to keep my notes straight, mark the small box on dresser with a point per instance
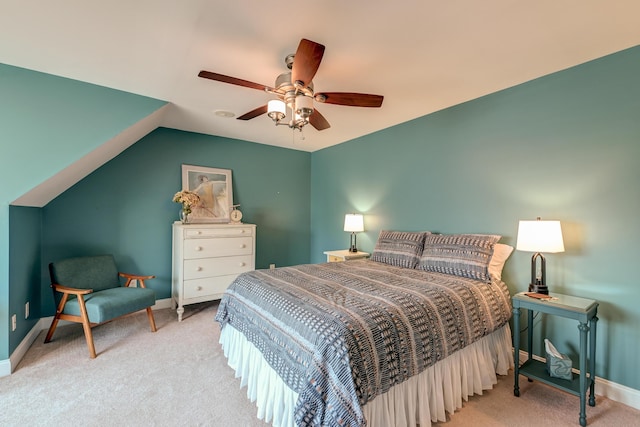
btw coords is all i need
(206, 258)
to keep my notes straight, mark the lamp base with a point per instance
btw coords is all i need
(352, 243)
(539, 288)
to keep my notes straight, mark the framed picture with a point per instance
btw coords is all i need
(215, 191)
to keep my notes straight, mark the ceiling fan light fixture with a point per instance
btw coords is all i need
(294, 91)
(276, 109)
(304, 106)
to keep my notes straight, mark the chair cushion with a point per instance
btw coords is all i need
(111, 303)
(93, 272)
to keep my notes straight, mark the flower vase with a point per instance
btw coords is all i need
(184, 216)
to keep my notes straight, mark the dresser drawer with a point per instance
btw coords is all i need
(226, 246)
(199, 233)
(209, 286)
(199, 268)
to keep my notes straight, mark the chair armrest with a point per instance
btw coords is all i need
(132, 277)
(135, 276)
(67, 290)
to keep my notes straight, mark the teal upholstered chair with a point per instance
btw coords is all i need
(87, 290)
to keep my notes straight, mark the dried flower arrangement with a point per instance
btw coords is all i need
(188, 199)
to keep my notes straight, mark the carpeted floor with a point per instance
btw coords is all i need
(179, 376)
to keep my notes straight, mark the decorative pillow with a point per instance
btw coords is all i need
(464, 255)
(501, 253)
(399, 248)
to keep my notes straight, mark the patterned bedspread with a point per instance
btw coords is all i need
(341, 333)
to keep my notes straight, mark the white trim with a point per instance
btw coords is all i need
(605, 388)
(614, 391)
(7, 366)
(163, 303)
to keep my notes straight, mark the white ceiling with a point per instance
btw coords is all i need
(422, 55)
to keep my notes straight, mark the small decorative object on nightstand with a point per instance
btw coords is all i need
(580, 309)
(344, 255)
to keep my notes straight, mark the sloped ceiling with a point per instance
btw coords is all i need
(423, 56)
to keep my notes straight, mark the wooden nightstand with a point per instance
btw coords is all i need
(344, 255)
(580, 309)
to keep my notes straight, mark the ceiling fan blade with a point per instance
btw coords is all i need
(350, 99)
(232, 80)
(306, 62)
(254, 113)
(318, 121)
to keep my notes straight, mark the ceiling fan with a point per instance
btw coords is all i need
(294, 91)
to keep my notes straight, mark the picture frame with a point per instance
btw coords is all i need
(214, 186)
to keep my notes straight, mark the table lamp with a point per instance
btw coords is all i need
(539, 236)
(353, 223)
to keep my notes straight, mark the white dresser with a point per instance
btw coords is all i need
(206, 259)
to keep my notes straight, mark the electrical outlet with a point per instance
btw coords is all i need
(26, 310)
(272, 266)
(13, 323)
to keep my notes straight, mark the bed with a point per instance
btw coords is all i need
(398, 339)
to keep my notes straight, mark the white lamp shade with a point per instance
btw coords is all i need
(540, 236)
(276, 106)
(353, 223)
(304, 105)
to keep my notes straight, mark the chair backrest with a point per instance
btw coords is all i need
(92, 272)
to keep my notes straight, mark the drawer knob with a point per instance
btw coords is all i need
(243, 246)
(241, 264)
(198, 268)
(199, 288)
(198, 232)
(198, 248)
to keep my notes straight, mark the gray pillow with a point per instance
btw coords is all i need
(464, 255)
(399, 248)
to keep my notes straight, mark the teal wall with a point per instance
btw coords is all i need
(46, 124)
(565, 147)
(125, 207)
(25, 236)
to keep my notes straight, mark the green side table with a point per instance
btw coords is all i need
(580, 309)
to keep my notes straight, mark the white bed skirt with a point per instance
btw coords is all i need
(421, 399)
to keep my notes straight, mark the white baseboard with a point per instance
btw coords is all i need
(7, 366)
(614, 391)
(163, 303)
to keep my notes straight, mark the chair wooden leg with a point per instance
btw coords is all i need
(52, 328)
(86, 325)
(152, 321)
(56, 318)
